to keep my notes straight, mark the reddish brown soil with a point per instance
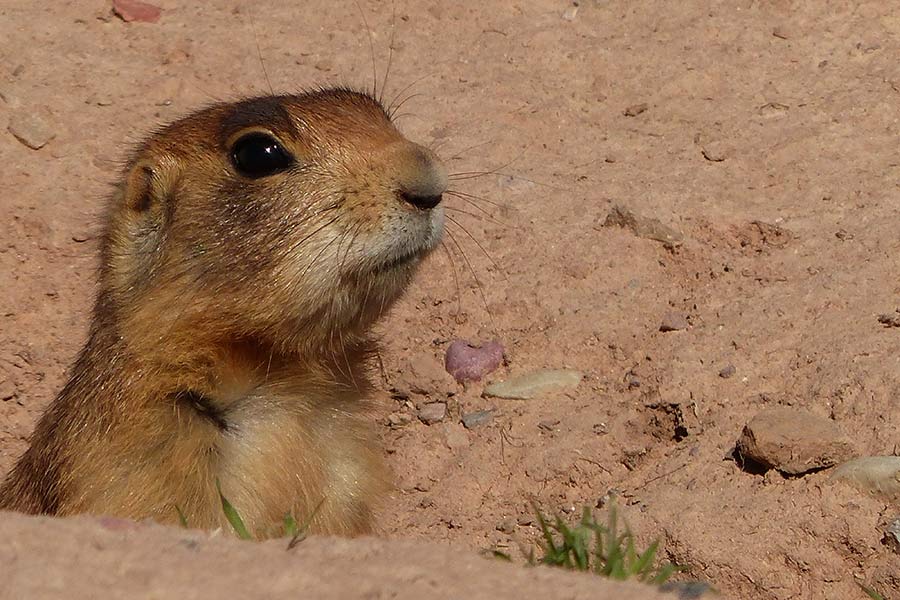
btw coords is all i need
(768, 139)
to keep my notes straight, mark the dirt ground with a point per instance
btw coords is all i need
(765, 133)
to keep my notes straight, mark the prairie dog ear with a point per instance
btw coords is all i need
(149, 183)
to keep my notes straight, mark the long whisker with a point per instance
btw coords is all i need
(392, 110)
(455, 278)
(259, 53)
(474, 276)
(472, 197)
(371, 50)
(387, 71)
(475, 215)
(477, 243)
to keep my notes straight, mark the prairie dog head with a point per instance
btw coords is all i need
(295, 219)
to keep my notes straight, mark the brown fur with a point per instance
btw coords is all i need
(229, 335)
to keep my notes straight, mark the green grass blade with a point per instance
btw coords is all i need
(181, 518)
(303, 530)
(290, 525)
(643, 566)
(870, 592)
(237, 523)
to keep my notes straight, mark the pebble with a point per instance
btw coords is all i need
(644, 227)
(30, 129)
(876, 475)
(507, 526)
(469, 362)
(455, 436)
(135, 10)
(548, 424)
(793, 441)
(890, 320)
(674, 322)
(433, 412)
(727, 371)
(570, 13)
(635, 109)
(396, 420)
(531, 385)
(8, 390)
(891, 530)
(477, 419)
(715, 151)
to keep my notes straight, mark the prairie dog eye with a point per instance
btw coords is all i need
(258, 155)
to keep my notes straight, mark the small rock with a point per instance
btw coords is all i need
(507, 526)
(468, 362)
(8, 390)
(674, 322)
(877, 475)
(890, 320)
(525, 520)
(780, 32)
(645, 227)
(30, 129)
(635, 109)
(531, 385)
(432, 413)
(727, 371)
(793, 441)
(548, 424)
(396, 420)
(135, 10)
(570, 13)
(477, 419)
(715, 151)
(891, 538)
(455, 436)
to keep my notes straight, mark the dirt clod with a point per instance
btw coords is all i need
(433, 412)
(31, 129)
(793, 441)
(672, 321)
(645, 227)
(635, 109)
(727, 372)
(135, 10)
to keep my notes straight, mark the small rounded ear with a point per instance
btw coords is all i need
(148, 184)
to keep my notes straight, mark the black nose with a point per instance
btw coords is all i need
(420, 202)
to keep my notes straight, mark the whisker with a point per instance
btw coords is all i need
(371, 49)
(474, 276)
(259, 52)
(475, 215)
(471, 198)
(455, 278)
(391, 110)
(387, 71)
(477, 243)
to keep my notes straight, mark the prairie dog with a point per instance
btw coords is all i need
(247, 251)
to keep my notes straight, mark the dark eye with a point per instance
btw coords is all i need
(259, 155)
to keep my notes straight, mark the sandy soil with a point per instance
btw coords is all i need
(764, 133)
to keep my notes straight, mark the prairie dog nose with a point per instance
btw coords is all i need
(421, 177)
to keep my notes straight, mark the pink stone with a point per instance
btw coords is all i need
(470, 363)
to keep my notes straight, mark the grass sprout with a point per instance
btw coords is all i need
(605, 549)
